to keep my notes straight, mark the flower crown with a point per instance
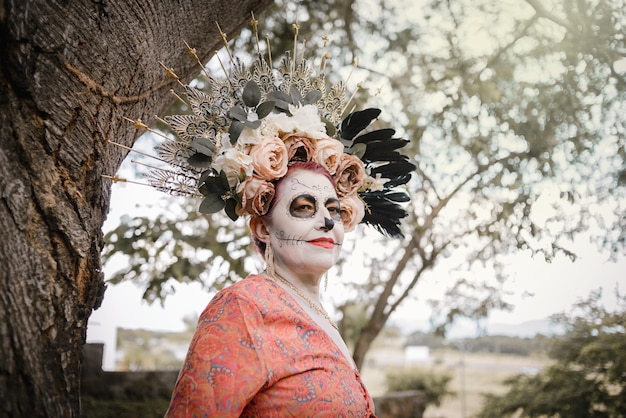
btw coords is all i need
(246, 130)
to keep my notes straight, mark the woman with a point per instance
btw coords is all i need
(265, 346)
(271, 145)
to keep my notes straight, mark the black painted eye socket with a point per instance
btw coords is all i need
(334, 209)
(303, 206)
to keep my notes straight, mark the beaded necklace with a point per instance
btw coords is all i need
(312, 304)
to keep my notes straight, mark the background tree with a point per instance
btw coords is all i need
(514, 110)
(588, 377)
(70, 73)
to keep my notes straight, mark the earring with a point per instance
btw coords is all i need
(325, 281)
(269, 259)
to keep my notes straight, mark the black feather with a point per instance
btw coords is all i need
(383, 214)
(357, 121)
(394, 170)
(377, 135)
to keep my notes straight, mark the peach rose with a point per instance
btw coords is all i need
(328, 154)
(256, 197)
(349, 176)
(299, 147)
(269, 159)
(352, 211)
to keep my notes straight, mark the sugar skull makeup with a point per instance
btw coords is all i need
(305, 226)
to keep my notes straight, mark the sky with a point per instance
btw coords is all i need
(538, 289)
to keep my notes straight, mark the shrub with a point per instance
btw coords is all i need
(433, 384)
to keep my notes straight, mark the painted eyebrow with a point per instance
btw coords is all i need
(332, 200)
(306, 196)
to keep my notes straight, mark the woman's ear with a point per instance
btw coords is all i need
(259, 229)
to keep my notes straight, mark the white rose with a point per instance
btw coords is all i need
(307, 119)
(234, 163)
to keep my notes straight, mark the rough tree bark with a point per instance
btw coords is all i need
(70, 72)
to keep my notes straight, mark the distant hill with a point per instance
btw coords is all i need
(467, 329)
(524, 329)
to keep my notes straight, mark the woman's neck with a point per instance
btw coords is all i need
(308, 283)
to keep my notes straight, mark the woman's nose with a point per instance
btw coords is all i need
(326, 223)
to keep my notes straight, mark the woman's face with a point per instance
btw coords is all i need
(305, 229)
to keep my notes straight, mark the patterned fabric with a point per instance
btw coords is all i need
(256, 353)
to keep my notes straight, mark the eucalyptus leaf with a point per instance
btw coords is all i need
(199, 160)
(223, 181)
(237, 113)
(251, 94)
(230, 206)
(203, 189)
(281, 100)
(235, 130)
(213, 203)
(312, 97)
(330, 128)
(265, 109)
(358, 150)
(215, 185)
(205, 174)
(204, 145)
(253, 124)
(296, 97)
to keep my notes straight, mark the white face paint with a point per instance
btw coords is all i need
(305, 228)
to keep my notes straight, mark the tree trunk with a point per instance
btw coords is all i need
(70, 72)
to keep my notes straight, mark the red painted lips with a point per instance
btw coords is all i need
(328, 243)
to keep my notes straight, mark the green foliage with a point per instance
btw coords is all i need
(588, 378)
(143, 350)
(162, 250)
(433, 384)
(517, 346)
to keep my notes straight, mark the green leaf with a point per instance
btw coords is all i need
(212, 203)
(296, 97)
(265, 109)
(235, 130)
(281, 100)
(358, 150)
(251, 94)
(205, 175)
(223, 181)
(238, 113)
(312, 97)
(253, 124)
(216, 185)
(230, 206)
(199, 160)
(204, 145)
(330, 128)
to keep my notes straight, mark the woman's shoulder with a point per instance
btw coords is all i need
(251, 285)
(255, 289)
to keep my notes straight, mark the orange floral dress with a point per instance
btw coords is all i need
(256, 353)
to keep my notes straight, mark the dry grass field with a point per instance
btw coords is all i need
(483, 373)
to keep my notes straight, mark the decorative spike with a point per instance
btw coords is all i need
(169, 73)
(135, 151)
(269, 50)
(179, 98)
(117, 179)
(255, 29)
(192, 53)
(225, 42)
